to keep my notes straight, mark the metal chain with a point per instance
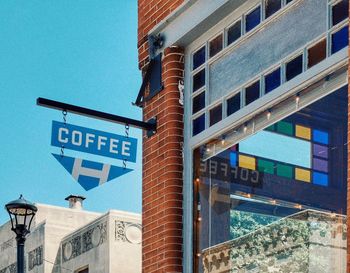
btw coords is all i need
(64, 114)
(127, 127)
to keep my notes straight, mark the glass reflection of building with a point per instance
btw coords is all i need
(270, 190)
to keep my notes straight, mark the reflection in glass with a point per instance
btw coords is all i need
(276, 201)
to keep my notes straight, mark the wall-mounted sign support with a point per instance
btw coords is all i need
(153, 79)
(150, 126)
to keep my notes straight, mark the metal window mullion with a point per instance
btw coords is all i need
(207, 88)
(305, 59)
(262, 86)
(224, 108)
(262, 11)
(243, 90)
(283, 73)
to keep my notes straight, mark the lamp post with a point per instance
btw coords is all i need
(21, 214)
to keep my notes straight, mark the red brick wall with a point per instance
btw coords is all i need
(150, 13)
(162, 153)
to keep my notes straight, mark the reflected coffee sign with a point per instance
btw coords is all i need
(220, 169)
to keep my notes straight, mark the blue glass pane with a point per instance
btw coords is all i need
(199, 58)
(272, 80)
(199, 80)
(198, 103)
(233, 104)
(252, 93)
(320, 136)
(198, 124)
(252, 19)
(340, 39)
(294, 67)
(233, 159)
(320, 179)
(233, 33)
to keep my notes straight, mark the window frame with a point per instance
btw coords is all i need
(190, 145)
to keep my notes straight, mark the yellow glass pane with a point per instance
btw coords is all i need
(302, 175)
(303, 132)
(247, 162)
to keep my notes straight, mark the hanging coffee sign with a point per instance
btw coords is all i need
(90, 174)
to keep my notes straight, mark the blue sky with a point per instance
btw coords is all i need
(80, 52)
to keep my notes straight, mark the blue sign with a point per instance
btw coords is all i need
(90, 174)
(93, 141)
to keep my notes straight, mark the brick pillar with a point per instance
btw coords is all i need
(162, 173)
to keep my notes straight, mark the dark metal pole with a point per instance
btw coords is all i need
(20, 252)
(150, 126)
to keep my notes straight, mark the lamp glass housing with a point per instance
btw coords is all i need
(21, 214)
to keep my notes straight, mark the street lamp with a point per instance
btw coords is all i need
(21, 214)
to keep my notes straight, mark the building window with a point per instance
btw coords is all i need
(233, 104)
(199, 80)
(340, 39)
(198, 58)
(215, 114)
(271, 199)
(294, 67)
(252, 92)
(234, 33)
(340, 12)
(253, 19)
(272, 6)
(198, 102)
(215, 45)
(272, 80)
(198, 124)
(333, 41)
(317, 53)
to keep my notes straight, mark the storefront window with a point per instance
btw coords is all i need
(276, 201)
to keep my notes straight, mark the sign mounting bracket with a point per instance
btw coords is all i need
(150, 126)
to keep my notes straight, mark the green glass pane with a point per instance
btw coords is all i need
(285, 128)
(265, 166)
(285, 171)
(271, 128)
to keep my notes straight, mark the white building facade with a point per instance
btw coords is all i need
(66, 240)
